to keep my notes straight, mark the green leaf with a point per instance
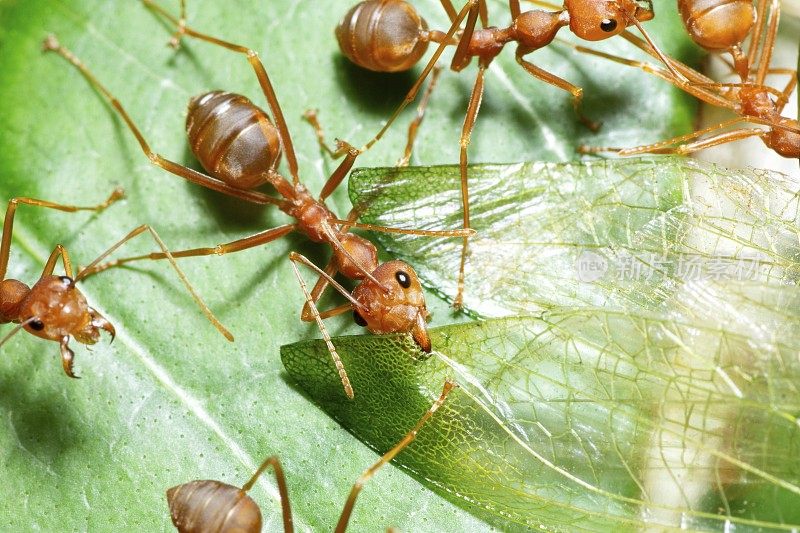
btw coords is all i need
(591, 419)
(616, 233)
(170, 400)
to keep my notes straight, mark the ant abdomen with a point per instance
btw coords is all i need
(204, 506)
(383, 35)
(12, 294)
(232, 138)
(717, 24)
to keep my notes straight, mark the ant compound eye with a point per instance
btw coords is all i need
(608, 25)
(403, 279)
(66, 280)
(36, 325)
(359, 319)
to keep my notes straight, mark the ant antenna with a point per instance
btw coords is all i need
(17, 328)
(661, 55)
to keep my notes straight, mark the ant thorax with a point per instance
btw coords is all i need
(536, 29)
(361, 256)
(756, 102)
(312, 217)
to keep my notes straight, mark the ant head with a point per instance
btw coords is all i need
(595, 20)
(55, 309)
(397, 305)
(363, 254)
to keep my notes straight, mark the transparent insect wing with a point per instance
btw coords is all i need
(598, 417)
(663, 327)
(598, 234)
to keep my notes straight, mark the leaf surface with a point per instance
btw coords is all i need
(170, 400)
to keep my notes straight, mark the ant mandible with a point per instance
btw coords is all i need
(390, 36)
(53, 308)
(239, 146)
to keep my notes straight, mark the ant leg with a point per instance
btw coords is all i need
(92, 269)
(337, 361)
(449, 385)
(656, 51)
(263, 237)
(698, 89)
(790, 86)
(8, 224)
(464, 232)
(484, 13)
(336, 243)
(755, 37)
(343, 148)
(335, 179)
(322, 283)
(664, 147)
(415, 124)
(284, 493)
(263, 80)
(769, 41)
(466, 132)
(311, 117)
(461, 57)
(51, 44)
(716, 140)
(412, 93)
(50, 266)
(691, 75)
(317, 291)
(451, 11)
(513, 6)
(452, 14)
(175, 41)
(552, 79)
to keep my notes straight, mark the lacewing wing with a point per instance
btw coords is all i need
(600, 233)
(654, 385)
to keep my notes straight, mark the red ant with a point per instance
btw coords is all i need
(725, 24)
(209, 505)
(752, 100)
(53, 308)
(239, 146)
(389, 36)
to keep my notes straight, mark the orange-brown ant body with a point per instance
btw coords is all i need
(53, 308)
(723, 25)
(752, 100)
(210, 506)
(389, 35)
(240, 148)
